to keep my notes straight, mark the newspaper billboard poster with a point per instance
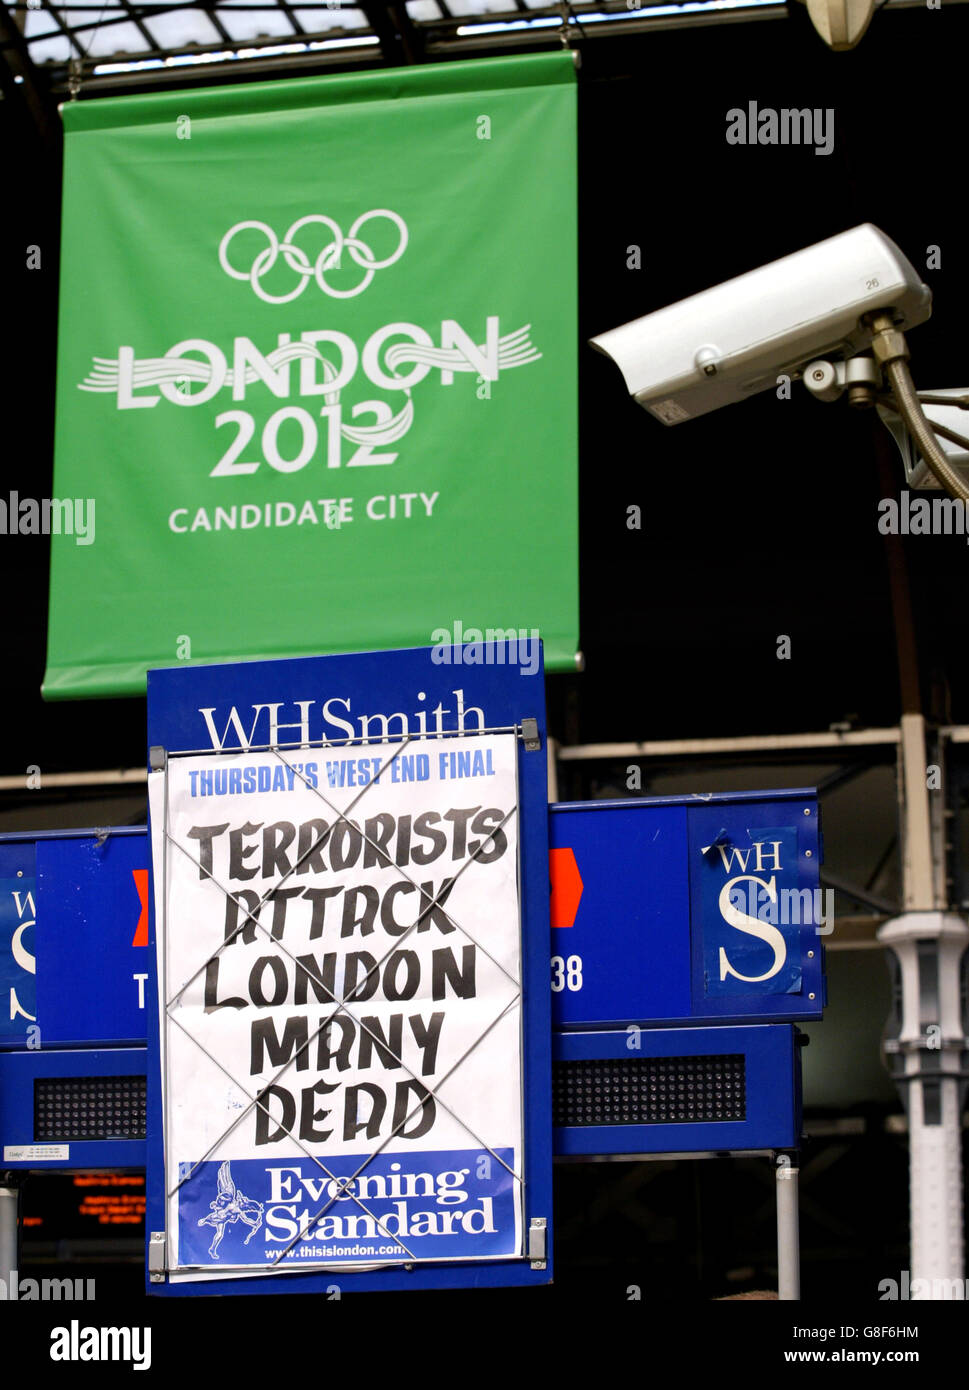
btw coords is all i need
(339, 953)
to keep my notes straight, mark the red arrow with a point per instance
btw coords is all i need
(566, 886)
(140, 877)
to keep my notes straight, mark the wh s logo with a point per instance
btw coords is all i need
(743, 921)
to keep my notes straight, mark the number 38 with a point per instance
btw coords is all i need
(566, 973)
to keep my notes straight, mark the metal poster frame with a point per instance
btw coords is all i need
(515, 705)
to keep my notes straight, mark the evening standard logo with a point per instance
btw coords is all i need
(315, 366)
(229, 1207)
(429, 1205)
(402, 1201)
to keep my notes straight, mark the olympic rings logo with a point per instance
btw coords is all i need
(327, 260)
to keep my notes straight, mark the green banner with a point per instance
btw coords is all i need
(316, 370)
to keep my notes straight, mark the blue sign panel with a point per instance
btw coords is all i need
(75, 1108)
(18, 944)
(73, 967)
(337, 720)
(680, 910)
(677, 1090)
(74, 938)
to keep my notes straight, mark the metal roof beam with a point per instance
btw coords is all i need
(21, 85)
(204, 74)
(400, 39)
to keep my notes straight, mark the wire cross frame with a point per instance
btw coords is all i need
(342, 1188)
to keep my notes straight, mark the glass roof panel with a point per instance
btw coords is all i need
(101, 40)
(169, 33)
(173, 29)
(326, 17)
(53, 50)
(254, 24)
(37, 22)
(424, 10)
(86, 12)
(479, 7)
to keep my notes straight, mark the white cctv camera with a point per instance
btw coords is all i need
(730, 342)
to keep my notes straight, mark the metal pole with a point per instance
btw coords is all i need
(936, 1198)
(788, 1231)
(925, 1050)
(925, 1044)
(9, 1211)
